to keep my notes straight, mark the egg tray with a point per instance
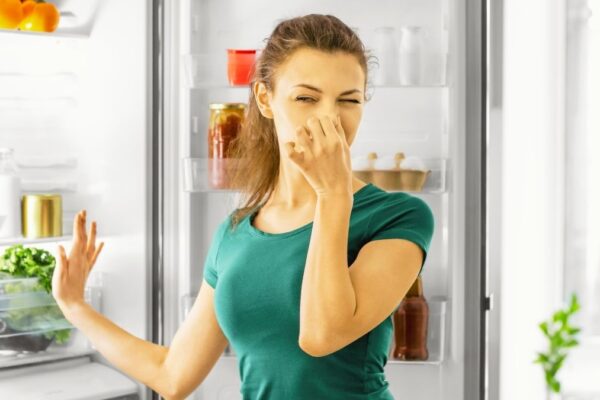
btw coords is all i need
(399, 179)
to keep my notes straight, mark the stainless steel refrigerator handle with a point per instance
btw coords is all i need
(496, 52)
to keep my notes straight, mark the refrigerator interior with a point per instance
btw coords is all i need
(428, 121)
(75, 106)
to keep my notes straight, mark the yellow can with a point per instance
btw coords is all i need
(41, 215)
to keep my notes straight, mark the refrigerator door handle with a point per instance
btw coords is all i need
(488, 302)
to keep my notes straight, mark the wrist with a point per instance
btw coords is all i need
(336, 201)
(71, 310)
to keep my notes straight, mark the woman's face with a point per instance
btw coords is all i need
(314, 83)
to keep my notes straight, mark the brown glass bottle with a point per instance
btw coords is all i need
(410, 325)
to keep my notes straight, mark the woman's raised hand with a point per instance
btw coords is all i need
(70, 274)
(322, 153)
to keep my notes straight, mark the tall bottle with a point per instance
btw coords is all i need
(10, 195)
(410, 325)
(411, 55)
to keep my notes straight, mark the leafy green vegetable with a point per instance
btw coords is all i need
(29, 262)
(561, 337)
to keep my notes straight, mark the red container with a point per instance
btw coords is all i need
(240, 66)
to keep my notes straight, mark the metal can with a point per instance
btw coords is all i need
(225, 123)
(41, 215)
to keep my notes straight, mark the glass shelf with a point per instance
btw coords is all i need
(5, 242)
(69, 26)
(196, 178)
(208, 71)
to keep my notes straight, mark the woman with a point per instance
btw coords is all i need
(303, 278)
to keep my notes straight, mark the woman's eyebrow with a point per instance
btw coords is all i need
(320, 91)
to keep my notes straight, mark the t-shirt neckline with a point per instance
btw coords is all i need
(260, 233)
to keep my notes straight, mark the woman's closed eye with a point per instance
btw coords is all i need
(310, 99)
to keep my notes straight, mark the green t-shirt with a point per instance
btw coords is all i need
(257, 278)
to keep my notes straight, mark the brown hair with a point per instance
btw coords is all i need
(256, 148)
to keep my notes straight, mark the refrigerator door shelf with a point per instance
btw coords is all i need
(196, 177)
(436, 336)
(209, 70)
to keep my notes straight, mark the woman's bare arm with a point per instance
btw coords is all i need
(175, 371)
(197, 345)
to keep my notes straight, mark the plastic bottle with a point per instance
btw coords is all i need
(410, 325)
(411, 55)
(10, 195)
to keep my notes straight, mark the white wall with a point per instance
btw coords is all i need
(534, 39)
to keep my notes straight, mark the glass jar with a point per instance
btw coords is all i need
(225, 123)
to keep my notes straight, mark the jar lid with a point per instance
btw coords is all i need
(42, 196)
(242, 51)
(226, 106)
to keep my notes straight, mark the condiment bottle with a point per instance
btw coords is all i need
(410, 325)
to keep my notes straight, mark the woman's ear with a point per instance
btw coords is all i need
(261, 96)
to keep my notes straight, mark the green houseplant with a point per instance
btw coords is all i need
(28, 262)
(561, 337)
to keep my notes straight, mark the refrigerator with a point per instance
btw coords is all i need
(111, 111)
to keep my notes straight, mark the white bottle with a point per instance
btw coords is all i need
(386, 51)
(10, 195)
(411, 55)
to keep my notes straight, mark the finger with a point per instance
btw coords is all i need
(333, 134)
(63, 262)
(100, 247)
(91, 245)
(316, 130)
(83, 229)
(303, 139)
(293, 152)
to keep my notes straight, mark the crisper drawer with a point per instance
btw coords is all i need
(33, 327)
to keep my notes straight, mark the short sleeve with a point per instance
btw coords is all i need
(210, 264)
(403, 217)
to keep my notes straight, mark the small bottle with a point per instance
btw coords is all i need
(10, 195)
(411, 319)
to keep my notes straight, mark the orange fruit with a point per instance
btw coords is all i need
(27, 6)
(43, 18)
(10, 14)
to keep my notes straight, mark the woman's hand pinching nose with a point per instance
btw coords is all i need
(322, 154)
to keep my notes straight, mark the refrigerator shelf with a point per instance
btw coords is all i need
(42, 186)
(436, 332)
(197, 178)
(22, 240)
(208, 71)
(52, 354)
(50, 161)
(69, 26)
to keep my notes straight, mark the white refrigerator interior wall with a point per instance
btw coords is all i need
(89, 98)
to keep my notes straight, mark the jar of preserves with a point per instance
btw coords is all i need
(225, 123)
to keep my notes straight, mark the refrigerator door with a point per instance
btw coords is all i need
(79, 100)
(441, 119)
